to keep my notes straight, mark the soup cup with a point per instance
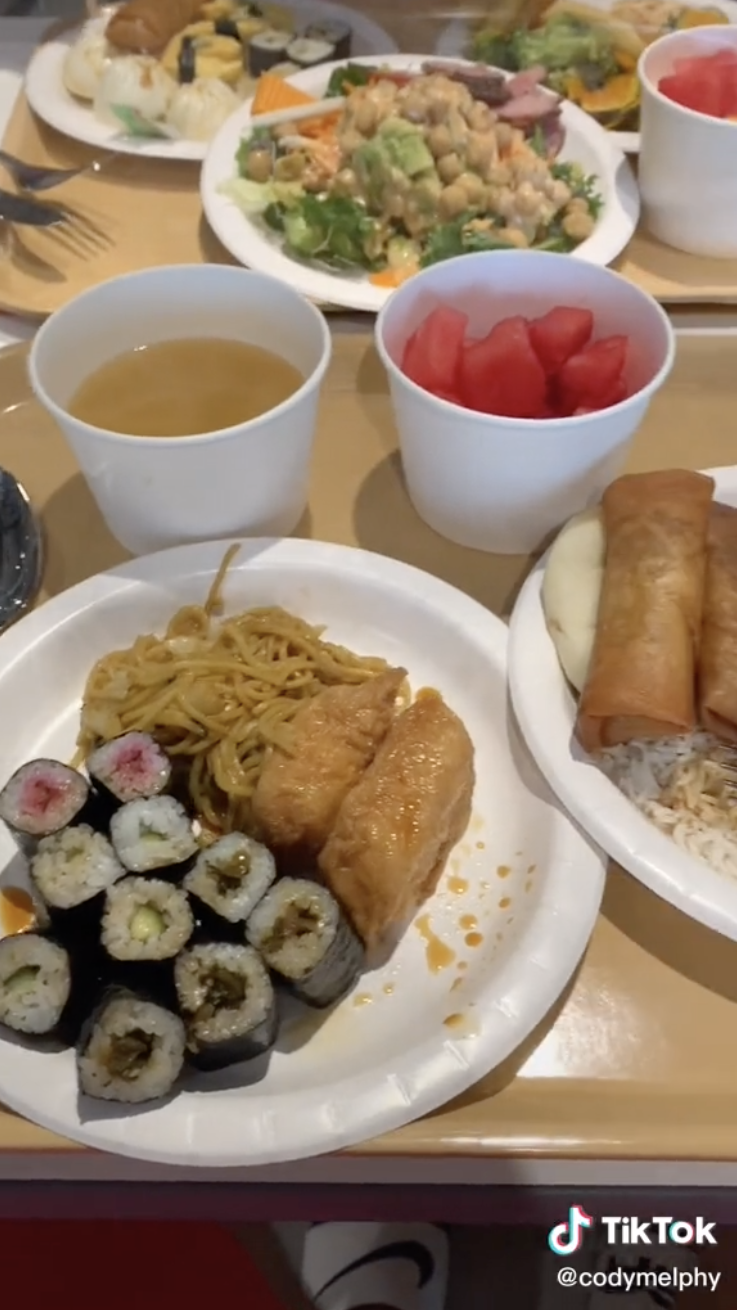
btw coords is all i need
(155, 492)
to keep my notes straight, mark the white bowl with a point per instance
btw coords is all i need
(502, 484)
(688, 161)
(154, 492)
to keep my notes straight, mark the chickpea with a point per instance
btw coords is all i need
(366, 117)
(453, 201)
(346, 182)
(481, 150)
(528, 200)
(498, 174)
(259, 165)
(394, 205)
(578, 225)
(438, 140)
(479, 117)
(458, 129)
(578, 206)
(505, 205)
(473, 187)
(504, 135)
(559, 193)
(290, 167)
(530, 169)
(349, 141)
(414, 108)
(515, 237)
(449, 167)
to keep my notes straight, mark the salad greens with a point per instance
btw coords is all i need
(564, 44)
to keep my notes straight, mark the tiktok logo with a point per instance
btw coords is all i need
(566, 1238)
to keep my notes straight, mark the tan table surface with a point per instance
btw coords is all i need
(639, 1059)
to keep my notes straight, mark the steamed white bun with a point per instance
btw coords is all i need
(571, 590)
(86, 60)
(136, 81)
(199, 108)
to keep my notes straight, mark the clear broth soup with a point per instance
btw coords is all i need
(184, 388)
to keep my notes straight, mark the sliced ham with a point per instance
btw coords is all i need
(526, 81)
(554, 133)
(528, 108)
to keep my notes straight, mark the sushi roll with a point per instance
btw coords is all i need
(266, 49)
(71, 871)
(130, 1050)
(35, 984)
(41, 798)
(227, 1000)
(228, 881)
(145, 921)
(307, 53)
(301, 933)
(338, 35)
(129, 768)
(153, 835)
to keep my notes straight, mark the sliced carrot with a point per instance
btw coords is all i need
(391, 278)
(274, 93)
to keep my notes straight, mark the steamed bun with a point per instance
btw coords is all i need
(136, 81)
(86, 60)
(570, 592)
(199, 108)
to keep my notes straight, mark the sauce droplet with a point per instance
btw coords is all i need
(365, 998)
(505, 902)
(388, 989)
(437, 953)
(469, 921)
(453, 1021)
(17, 913)
(503, 871)
(474, 939)
(531, 868)
(529, 885)
(458, 886)
(480, 845)
(458, 983)
(462, 966)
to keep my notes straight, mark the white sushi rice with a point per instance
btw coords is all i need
(35, 1007)
(682, 785)
(232, 876)
(72, 866)
(126, 1017)
(150, 834)
(194, 973)
(145, 919)
(294, 927)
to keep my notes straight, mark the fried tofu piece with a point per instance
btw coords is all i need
(397, 827)
(334, 737)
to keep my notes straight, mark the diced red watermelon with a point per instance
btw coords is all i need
(617, 394)
(587, 379)
(501, 374)
(560, 333)
(432, 355)
(704, 83)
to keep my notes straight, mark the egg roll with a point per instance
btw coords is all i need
(641, 683)
(146, 26)
(717, 676)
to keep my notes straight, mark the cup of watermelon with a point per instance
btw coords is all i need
(518, 380)
(688, 140)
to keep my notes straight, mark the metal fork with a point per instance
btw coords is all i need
(36, 177)
(69, 227)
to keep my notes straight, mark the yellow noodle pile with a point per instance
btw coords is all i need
(216, 694)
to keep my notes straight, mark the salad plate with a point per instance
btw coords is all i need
(322, 243)
(591, 49)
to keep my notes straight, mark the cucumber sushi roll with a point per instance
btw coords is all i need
(145, 921)
(35, 984)
(338, 35)
(70, 871)
(41, 798)
(266, 49)
(228, 881)
(227, 1000)
(307, 53)
(153, 836)
(130, 1050)
(129, 768)
(302, 935)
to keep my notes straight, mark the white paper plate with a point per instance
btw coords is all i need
(586, 143)
(454, 42)
(369, 1067)
(546, 710)
(49, 98)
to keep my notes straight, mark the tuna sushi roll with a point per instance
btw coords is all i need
(41, 798)
(339, 37)
(131, 1049)
(70, 871)
(228, 881)
(130, 768)
(266, 49)
(302, 935)
(35, 984)
(153, 836)
(227, 1000)
(307, 53)
(145, 921)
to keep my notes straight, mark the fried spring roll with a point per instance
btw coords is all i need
(146, 26)
(641, 681)
(397, 827)
(717, 680)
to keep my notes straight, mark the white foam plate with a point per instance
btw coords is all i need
(586, 144)
(454, 42)
(545, 708)
(366, 1067)
(49, 98)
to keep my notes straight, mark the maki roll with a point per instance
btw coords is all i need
(70, 871)
(301, 933)
(145, 921)
(41, 798)
(266, 49)
(129, 768)
(227, 1000)
(130, 1050)
(308, 53)
(229, 879)
(339, 37)
(35, 984)
(153, 835)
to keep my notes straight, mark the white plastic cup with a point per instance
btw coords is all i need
(154, 492)
(502, 484)
(688, 161)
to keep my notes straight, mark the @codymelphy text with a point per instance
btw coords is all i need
(630, 1280)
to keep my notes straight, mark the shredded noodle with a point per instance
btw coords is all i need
(216, 694)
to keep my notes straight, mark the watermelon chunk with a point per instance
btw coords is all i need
(502, 375)
(588, 379)
(432, 355)
(560, 333)
(704, 83)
